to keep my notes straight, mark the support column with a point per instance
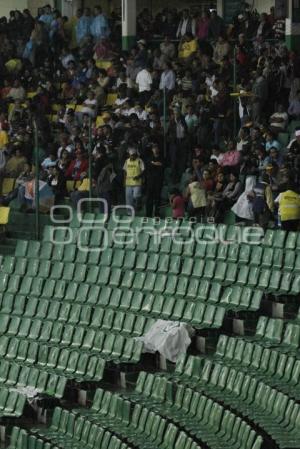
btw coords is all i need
(220, 8)
(292, 25)
(128, 24)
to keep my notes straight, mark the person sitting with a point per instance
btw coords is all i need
(177, 203)
(77, 167)
(196, 198)
(215, 198)
(16, 164)
(49, 162)
(57, 182)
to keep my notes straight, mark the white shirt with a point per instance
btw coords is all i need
(144, 80)
(182, 29)
(89, 110)
(167, 80)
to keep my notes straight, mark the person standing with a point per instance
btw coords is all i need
(105, 187)
(289, 208)
(46, 17)
(259, 96)
(134, 170)
(186, 25)
(144, 82)
(154, 179)
(177, 135)
(262, 202)
(83, 26)
(99, 25)
(168, 78)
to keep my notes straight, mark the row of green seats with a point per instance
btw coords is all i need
(32, 442)
(267, 407)
(199, 315)
(109, 442)
(72, 364)
(157, 283)
(277, 369)
(204, 418)
(128, 324)
(239, 298)
(74, 437)
(13, 374)
(170, 284)
(41, 308)
(16, 438)
(47, 288)
(142, 428)
(12, 403)
(138, 223)
(270, 281)
(273, 281)
(87, 341)
(117, 258)
(84, 296)
(235, 298)
(255, 256)
(43, 288)
(269, 333)
(275, 238)
(242, 254)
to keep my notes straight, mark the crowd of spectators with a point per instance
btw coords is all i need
(208, 110)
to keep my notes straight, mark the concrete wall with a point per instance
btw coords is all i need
(8, 5)
(263, 6)
(157, 5)
(33, 5)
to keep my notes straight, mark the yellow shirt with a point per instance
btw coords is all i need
(15, 165)
(3, 139)
(133, 168)
(13, 65)
(198, 196)
(289, 206)
(188, 48)
(84, 186)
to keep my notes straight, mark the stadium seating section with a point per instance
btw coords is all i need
(69, 312)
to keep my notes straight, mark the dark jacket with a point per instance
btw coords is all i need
(172, 131)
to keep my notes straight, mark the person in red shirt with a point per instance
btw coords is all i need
(208, 182)
(78, 166)
(178, 204)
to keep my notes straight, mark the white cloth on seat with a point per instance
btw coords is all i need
(169, 338)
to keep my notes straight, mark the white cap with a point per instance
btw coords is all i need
(297, 133)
